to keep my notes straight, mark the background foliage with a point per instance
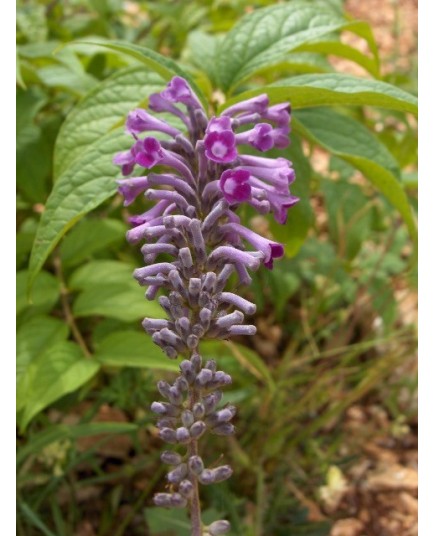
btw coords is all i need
(333, 328)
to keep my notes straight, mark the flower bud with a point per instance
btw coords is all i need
(197, 429)
(171, 458)
(219, 527)
(195, 464)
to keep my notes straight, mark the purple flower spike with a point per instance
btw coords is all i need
(234, 185)
(220, 147)
(147, 152)
(194, 224)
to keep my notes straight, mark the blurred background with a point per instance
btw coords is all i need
(326, 438)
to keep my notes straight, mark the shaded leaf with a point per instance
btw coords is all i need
(93, 272)
(46, 292)
(87, 183)
(60, 370)
(334, 89)
(89, 237)
(100, 110)
(35, 337)
(122, 301)
(264, 37)
(351, 141)
(133, 349)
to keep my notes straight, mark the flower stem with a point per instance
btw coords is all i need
(195, 514)
(193, 450)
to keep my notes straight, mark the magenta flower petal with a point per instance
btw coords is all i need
(220, 146)
(147, 152)
(234, 185)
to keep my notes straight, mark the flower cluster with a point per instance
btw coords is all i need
(202, 178)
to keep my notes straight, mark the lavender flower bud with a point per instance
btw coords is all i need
(168, 435)
(224, 429)
(197, 429)
(174, 500)
(187, 418)
(183, 435)
(196, 465)
(186, 488)
(219, 527)
(175, 476)
(171, 458)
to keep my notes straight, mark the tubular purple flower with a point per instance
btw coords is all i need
(178, 90)
(220, 146)
(139, 121)
(257, 104)
(234, 185)
(159, 104)
(271, 250)
(131, 188)
(126, 160)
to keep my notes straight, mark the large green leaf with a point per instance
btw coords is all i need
(89, 237)
(165, 67)
(100, 110)
(46, 292)
(265, 37)
(133, 349)
(93, 272)
(351, 141)
(334, 89)
(124, 301)
(35, 337)
(88, 182)
(59, 371)
(336, 48)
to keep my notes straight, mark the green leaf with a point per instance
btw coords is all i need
(333, 89)
(62, 431)
(336, 48)
(28, 104)
(349, 216)
(202, 51)
(100, 110)
(133, 349)
(35, 337)
(61, 76)
(264, 38)
(34, 519)
(168, 522)
(124, 301)
(354, 143)
(89, 237)
(59, 371)
(93, 272)
(45, 292)
(162, 65)
(87, 183)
